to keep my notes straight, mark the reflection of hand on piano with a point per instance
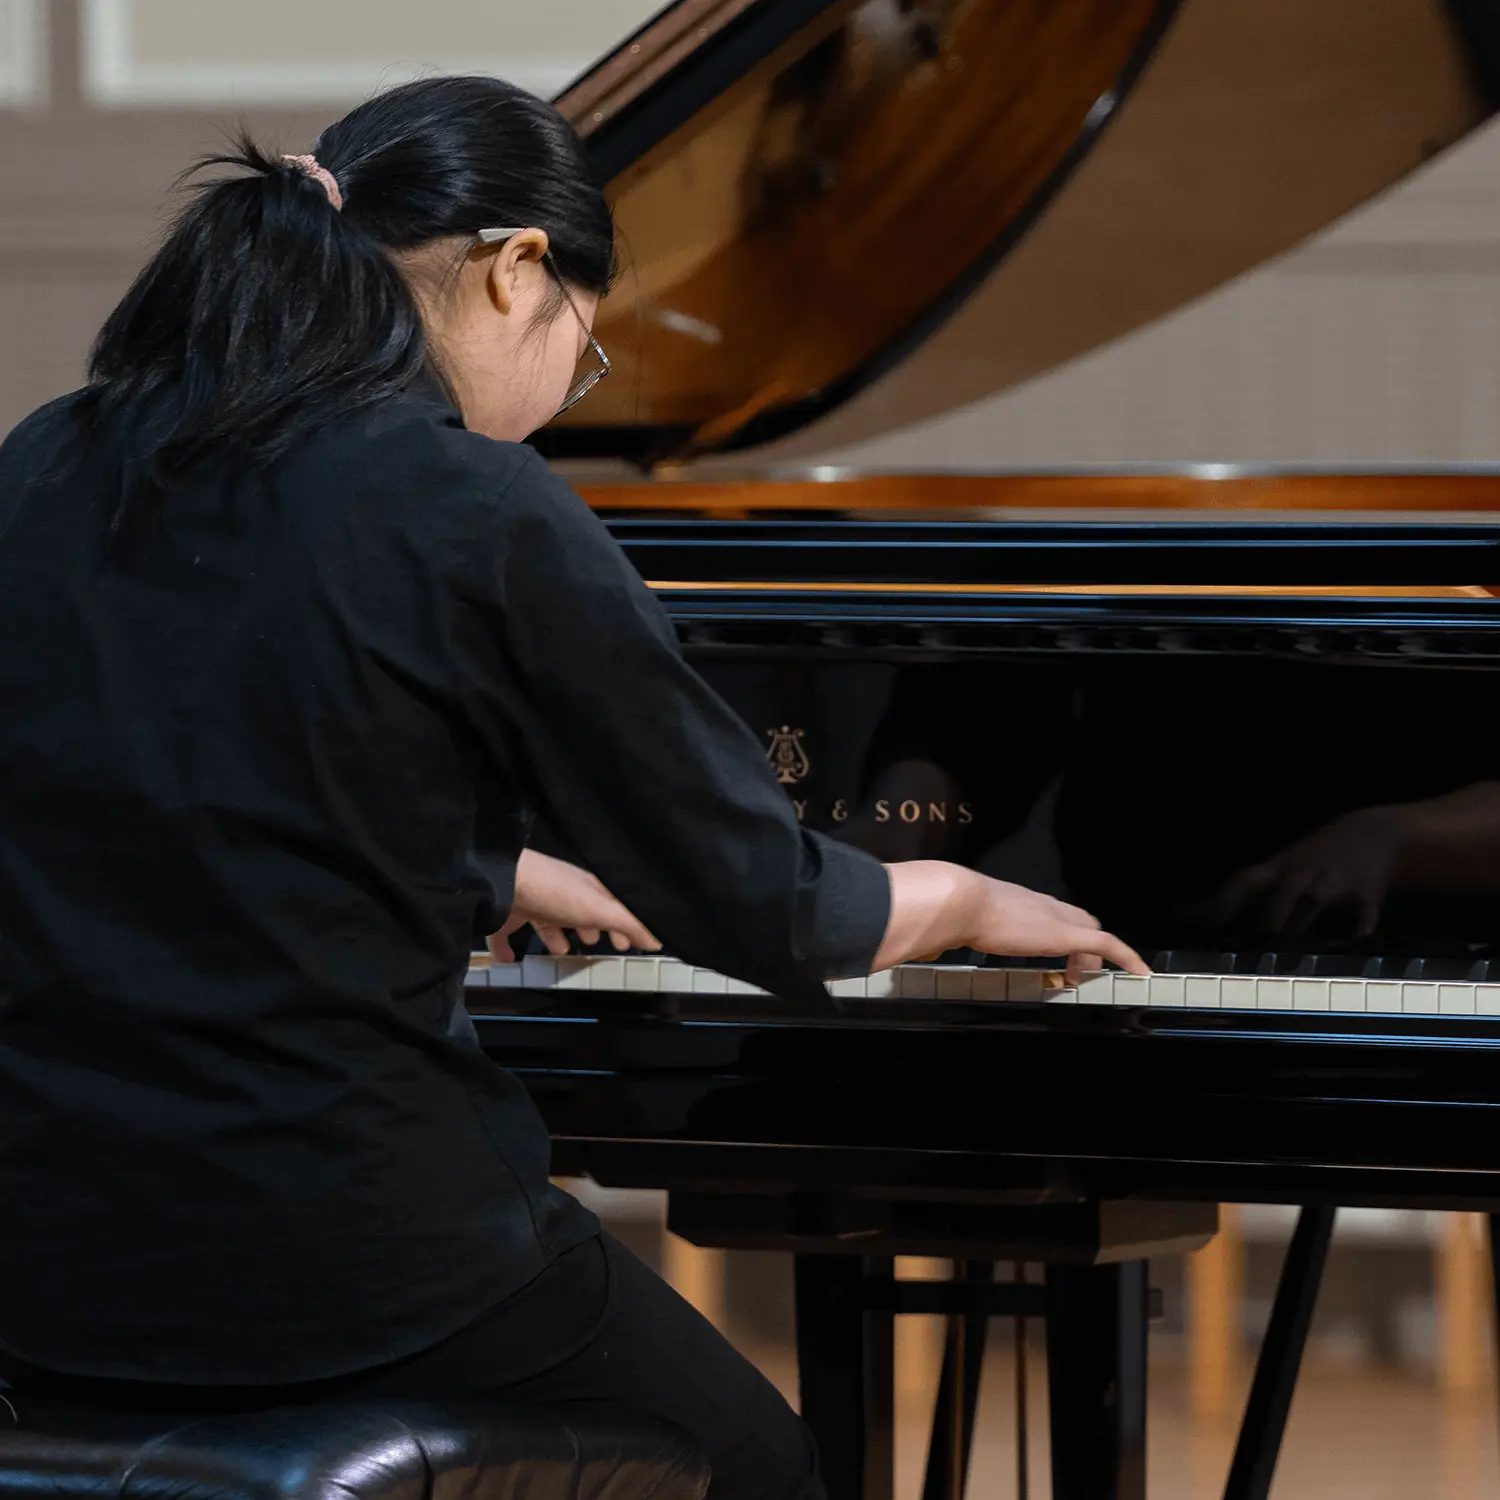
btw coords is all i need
(554, 896)
(1334, 881)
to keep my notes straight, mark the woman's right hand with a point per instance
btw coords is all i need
(936, 907)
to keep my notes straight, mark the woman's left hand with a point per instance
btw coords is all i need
(554, 897)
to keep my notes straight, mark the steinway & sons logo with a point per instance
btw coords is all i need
(788, 755)
(789, 759)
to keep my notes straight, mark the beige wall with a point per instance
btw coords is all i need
(22, 50)
(1378, 343)
(274, 51)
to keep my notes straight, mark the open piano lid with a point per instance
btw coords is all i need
(843, 216)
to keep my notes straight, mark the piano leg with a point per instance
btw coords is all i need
(1493, 1225)
(1096, 1380)
(952, 1438)
(846, 1372)
(1275, 1380)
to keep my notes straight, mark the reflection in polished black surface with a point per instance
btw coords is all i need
(1194, 804)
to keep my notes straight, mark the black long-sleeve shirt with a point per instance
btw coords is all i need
(243, 1135)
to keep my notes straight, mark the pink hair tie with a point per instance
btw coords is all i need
(319, 174)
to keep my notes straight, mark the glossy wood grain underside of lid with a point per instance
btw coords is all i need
(796, 249)
(834, 197)
(1256, 124)
(644, 60)
(960, 493)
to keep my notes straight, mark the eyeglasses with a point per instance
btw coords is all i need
(590, 378)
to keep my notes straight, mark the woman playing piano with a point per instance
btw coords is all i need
(280, 589)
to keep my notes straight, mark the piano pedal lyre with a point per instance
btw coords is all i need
(695, 1273)
(1215, 1317)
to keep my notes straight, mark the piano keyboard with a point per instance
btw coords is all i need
(668, 976)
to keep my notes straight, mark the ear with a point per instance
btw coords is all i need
(505, 274)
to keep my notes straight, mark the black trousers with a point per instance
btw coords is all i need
(596, 1326)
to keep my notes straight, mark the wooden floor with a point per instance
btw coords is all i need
(1353, 1435)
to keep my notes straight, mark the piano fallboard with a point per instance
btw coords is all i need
(1313, 788)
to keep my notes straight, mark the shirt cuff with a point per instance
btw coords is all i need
(848, 911)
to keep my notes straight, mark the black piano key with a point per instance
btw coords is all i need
(1332, 966)
(1277, 965)
(1378, 966)
(1188, 961)
(1443, 970)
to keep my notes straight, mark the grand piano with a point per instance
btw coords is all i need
(1238, 716)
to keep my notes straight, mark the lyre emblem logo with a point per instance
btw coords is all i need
(787, 756)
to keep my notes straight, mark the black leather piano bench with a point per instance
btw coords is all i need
(392, 1450)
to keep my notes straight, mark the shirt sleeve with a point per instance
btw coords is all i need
(636, 763)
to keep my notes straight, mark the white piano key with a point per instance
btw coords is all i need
(505, 976)
(642, 972)
(1168, 989)
(1273, 994)
(706, 982)
(884, 985)
(955, 982)
(538, 972)
(847, 989)
(1024, 985)
(918, 981)
(1383, 995)
(575, 972)
(478, 975)
(1419, 998)
(741, 987)
(989, 984)
(1346, 995)
(1201, 991)
(1096, 989)
(1238, 992)
(1487, 999)
(675, 977)
(1132, 989)
(1311, 994)
(607, 973)
(1457, 999)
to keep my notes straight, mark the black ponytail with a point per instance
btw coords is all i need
(267, 311)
